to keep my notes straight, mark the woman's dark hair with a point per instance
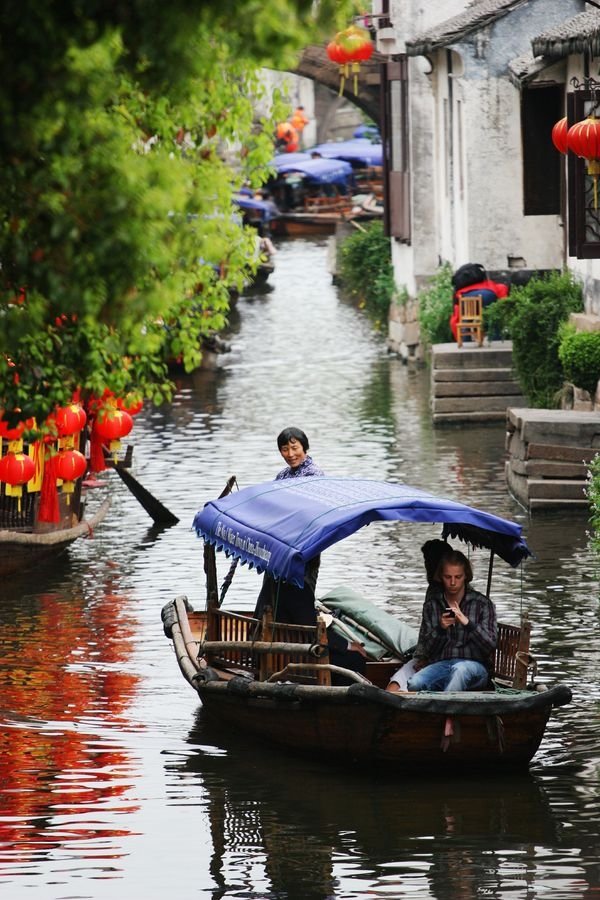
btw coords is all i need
(455, 558)
(432, 553)
(289, 434)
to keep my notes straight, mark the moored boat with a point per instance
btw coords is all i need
(276, 679)
(20, 550)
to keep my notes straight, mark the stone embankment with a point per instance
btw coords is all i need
(548, 454)
(473, 384)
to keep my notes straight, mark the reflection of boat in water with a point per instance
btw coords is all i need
(275, 679)
(305, 824)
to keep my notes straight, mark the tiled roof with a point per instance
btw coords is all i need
(575, 35)
(524, 68)
(477, 15)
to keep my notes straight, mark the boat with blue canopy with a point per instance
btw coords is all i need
(279, 680)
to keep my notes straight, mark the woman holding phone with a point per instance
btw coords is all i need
(458, 633)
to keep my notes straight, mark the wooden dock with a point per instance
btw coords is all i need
(473, 384)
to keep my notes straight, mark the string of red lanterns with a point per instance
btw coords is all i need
(56, 456)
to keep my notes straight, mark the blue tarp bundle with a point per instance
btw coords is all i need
(279, 525)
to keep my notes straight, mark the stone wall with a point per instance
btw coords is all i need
(403, 330)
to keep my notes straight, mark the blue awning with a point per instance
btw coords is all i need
(278, 526)
(358, 150)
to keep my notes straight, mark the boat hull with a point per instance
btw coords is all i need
(367, 725)
(20, 551)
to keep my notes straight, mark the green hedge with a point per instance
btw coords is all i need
(435, 307)
(532, 317)
(579, 353)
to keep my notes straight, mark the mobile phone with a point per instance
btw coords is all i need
(449, 612)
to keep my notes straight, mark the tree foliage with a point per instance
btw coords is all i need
(124, 130)
(366, 269)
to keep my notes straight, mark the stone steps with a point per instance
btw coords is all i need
(472, 384)
(548, 453)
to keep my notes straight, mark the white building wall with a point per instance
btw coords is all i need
(468, 206)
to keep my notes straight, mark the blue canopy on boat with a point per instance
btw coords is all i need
(265, 208)
(358, 150)
(321, 171)
(278, 526)
(282, 159)
(367, 131)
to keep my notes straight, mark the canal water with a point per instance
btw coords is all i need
(112, 782)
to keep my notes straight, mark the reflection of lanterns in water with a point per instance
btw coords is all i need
(54, 772)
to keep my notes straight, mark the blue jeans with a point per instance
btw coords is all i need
(450, 675)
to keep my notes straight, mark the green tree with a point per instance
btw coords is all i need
(366, 269)
(124, 130)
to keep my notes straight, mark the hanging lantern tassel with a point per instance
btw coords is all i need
(49, 510)
(593, 169)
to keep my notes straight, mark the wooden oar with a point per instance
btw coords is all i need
(155, 509)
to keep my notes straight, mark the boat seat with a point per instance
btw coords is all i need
(512, 660)
(470, 319)
(264, 647)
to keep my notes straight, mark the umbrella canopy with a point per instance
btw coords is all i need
(279, 525)
(360, 151)
(320, 171)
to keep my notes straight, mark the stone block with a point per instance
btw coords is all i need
(556, 489)
(473, 404)
(476, 389)
(441, 375)
(585, 321)
(560, 452)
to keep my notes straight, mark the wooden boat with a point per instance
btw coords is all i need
(275, 679)
(23, 548)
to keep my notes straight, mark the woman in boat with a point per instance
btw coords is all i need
(458, 633)
(292, 443)
(292, 604)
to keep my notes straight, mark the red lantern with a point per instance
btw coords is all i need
(111, 425)
(559, 135)
(351, 46)
(69, 419)
(16, 469)
(69, 465)
(583, 138)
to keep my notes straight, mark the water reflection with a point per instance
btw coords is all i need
(65, 689)
(299, 829)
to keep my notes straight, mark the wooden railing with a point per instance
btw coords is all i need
(236, 641)
(512, 659)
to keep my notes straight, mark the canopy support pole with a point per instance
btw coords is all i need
(490, 570)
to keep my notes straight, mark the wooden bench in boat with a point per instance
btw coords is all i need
(284, 652)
